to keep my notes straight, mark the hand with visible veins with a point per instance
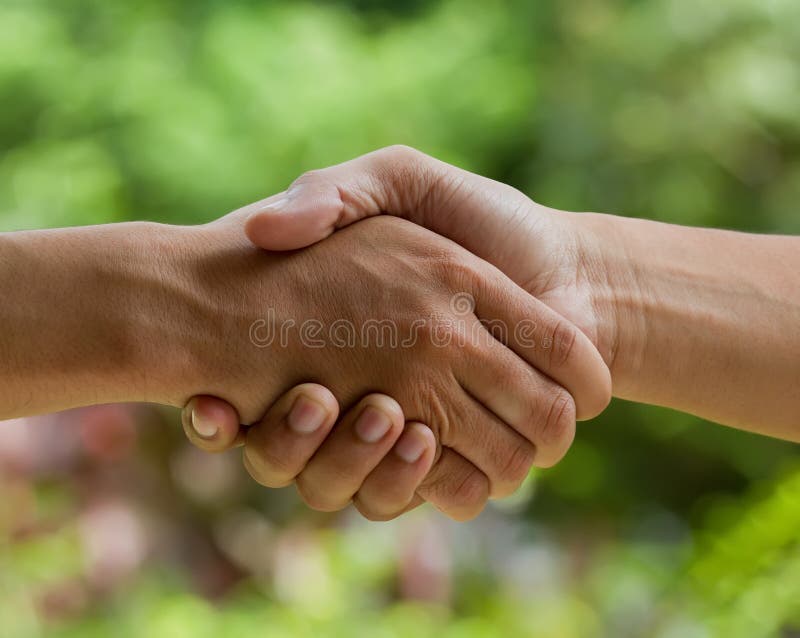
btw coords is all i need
(296, 234)
(149, 312)
(510, 415)
(701, 320)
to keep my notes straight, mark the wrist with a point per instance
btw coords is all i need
(700, 320)
(609, 266)
(192, 333)
(219, 285)
(89, 315)
(162, 327)
(140, 345)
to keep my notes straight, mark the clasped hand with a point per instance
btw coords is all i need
(456, 375)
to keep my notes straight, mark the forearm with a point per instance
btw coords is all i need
(90, 315)
(707, 321)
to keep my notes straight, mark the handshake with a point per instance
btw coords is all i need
(461, 365)
(395, 330)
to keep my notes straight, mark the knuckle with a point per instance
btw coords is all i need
(516, 468)
(401, 153)
(558, 427)
(460, 272)
(460, 491)
(315, 498)
(561, 342)
(307, 177)
(402, 170)
(444, 342)
(471, 492)
(445, 264)
(430, 399)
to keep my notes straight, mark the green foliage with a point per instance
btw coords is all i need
(681, 110)
(129, 109)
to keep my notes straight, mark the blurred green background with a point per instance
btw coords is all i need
(655, 524)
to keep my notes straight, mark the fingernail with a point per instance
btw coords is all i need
(410, 446)
(306, 415)
(203, 427)
(372, 425)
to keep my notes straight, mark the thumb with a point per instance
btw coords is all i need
(396, 180)
(303, 215)
(212, 424)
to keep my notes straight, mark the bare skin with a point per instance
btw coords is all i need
(147, 312)
(701, 320)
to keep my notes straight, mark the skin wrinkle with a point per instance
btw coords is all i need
(507, 462)
(716, 338)
(602, 300)
(399, 190)
(459, 492)
(435, 416)
(518, 465)
(413, 181)
(439, 195)
(362, 268)
(443, 483)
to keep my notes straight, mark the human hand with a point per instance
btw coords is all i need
(551, 254)
(294, 444)
(671, 312)
(675, 311)
(527, 401)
